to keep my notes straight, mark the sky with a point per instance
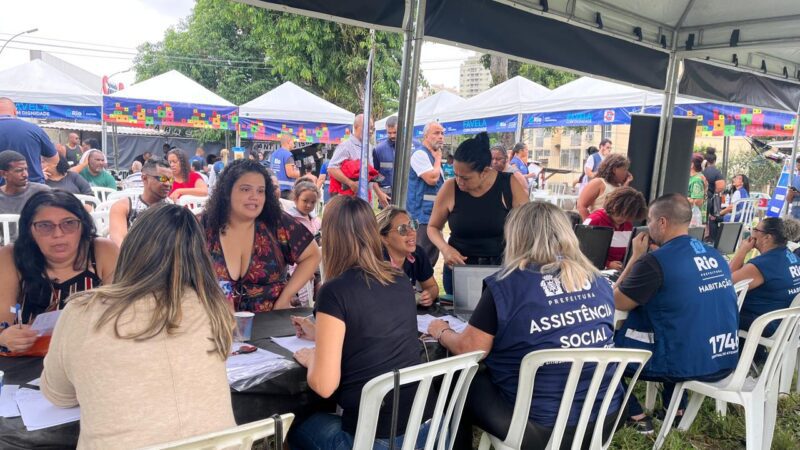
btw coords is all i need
(102, 36)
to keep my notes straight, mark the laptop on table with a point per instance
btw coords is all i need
(468, 287)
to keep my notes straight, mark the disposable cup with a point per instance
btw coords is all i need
(244, 326)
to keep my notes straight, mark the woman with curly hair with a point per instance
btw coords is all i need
(56, 254)
(252, 241)
(622, 207)
(187, 181)
(611, 175)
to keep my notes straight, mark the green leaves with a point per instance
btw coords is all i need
(240, 52)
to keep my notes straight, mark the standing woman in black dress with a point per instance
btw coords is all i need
(474, 204)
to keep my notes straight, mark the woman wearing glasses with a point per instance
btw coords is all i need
(252, 241)
(399, 238)
(775, 272)
(475, 205)
(57, 253)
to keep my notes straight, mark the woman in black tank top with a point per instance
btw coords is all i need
(474, 204)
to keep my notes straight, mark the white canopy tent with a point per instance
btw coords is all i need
(38, 83)
(429, 108)
(172, 86)
(505, 99)
(291, 102)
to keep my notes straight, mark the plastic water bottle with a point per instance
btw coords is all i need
(697, 221)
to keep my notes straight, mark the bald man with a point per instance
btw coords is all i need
(350, 150)
(74, 151)
(27, 139)
(282, 164)
(424, 181)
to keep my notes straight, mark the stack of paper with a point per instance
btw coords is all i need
(293, 343)
(8, 402)
(37, 412)
(259, 357)
(425, 320)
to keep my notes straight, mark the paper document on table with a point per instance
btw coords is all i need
(38, 413)
(293, 343)
(45, 323)
(34, 382)
(423, 321)
(248, 369)
(8, 402)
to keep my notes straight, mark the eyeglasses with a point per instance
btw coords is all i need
(47, 228)
(161, 178)
(404, 228)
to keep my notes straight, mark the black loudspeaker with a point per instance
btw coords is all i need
(642, 151)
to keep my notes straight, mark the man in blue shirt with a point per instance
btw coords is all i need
(27, 139)
(200, 156)
(383, 156)
(283, 166)
(682, 305)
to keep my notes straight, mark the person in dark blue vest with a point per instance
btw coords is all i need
(546, 296)
(682, 305)
(775, 272)
(282, 164)
(383, 156)
(424, 181)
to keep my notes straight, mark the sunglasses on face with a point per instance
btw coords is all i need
(47, 228)
(161, 178)
(404, 228)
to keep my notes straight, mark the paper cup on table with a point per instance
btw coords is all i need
(244, 326)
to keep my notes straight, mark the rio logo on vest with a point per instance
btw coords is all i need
(704, 263)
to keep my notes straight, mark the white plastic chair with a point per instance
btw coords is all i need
(758, 396)
(6, 222)
(101, 219)
(105, 206)
(241, 437)
(102, 192)
(651, 389)
(603, 357)
(744, 210)
(88, 199)
(447, 412)
(195, 203)
(127, 193)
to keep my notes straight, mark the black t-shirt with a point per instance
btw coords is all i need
(712, 175)
(418, 271)
(484, 317)
(381, 335)
(644, 279)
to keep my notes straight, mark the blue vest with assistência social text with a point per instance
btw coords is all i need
(534, 312)
(691, 323)
(421, 195)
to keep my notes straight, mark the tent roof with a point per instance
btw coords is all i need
(429, 108)
(172, 86)
(592, 93)
(39, 82)
(291, 102)
(507, 98)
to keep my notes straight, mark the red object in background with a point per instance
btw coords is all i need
(762, 202)
(351, 169)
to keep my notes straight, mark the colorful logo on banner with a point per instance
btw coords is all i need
(58, 112)
(490, 125)
(145, 113)
(305, 132)
(724, 120)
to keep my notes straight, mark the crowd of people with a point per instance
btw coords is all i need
(154, 302)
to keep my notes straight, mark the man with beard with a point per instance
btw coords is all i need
(383, 156)
(157, 181)
(18, 189)
(424, 182)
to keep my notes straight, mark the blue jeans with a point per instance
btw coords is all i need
(323, 431)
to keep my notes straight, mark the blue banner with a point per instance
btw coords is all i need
(507, 124)
(58, 112)
(775, 205)
(380, 135)
(305, 132)
(582, 118)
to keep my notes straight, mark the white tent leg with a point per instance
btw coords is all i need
(785, 209)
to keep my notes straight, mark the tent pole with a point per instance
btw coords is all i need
(726, 148)
(103, 130)
(664, 128)
(518, 131)
(413, 33)
(785, 208)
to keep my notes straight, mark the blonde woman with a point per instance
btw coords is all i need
(145, 357)
(366, 325)
(535, 302)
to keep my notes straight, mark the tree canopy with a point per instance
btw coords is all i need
(241, 51)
